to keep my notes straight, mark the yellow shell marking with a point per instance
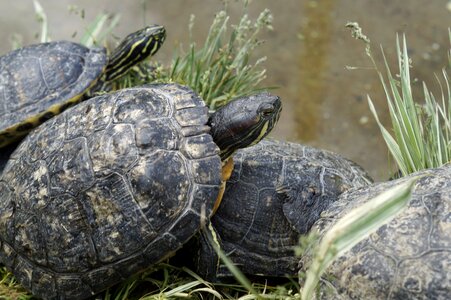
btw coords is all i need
(17, 131)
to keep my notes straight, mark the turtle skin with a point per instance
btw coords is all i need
(408, 258)
(107, 189)
(39, 81)
(276, 192)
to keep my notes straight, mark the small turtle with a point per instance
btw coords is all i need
(41, 80)
(276, 192)
(408, 258)
(118, 183)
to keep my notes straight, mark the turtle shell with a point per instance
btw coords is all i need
(276, 192)
(408, 258)
(39, 81)
(107, 189)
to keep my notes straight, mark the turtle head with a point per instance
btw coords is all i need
(244, 122)
(136, 47)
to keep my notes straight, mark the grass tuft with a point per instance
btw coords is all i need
(220, 69)
(421, 133)
(10, 288)
(96, 33)
(42, 19)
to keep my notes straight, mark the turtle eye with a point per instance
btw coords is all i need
(266, 109)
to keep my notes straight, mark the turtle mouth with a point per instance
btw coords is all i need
(269, 120)
(158, 31)
(274, 118)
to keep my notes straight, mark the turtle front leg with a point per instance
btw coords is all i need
(227, 169)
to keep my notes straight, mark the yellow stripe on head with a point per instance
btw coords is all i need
(133, 49)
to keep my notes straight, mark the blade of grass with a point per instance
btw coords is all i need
(240, 277)
(389, 140)
(42, 18)
(93, 30)
(96, 32)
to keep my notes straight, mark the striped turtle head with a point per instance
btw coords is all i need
(136, 47)
(244, 122)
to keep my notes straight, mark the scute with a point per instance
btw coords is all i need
(113, 148)
(68, 245)
(149, 135)
(129, 111)
(118, 227)
(173, 185)
(69, 167)
(37, 80)
(113, 196)
(95, 118)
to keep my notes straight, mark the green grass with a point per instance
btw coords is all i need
(220, 69)
(165, 281)
(9, 288)
(420, 134)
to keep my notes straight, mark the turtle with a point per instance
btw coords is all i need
(118, 183)
(275, 193)
(407, 258)
(41, 80)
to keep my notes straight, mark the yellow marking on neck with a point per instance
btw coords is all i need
(262, 134)
(125, 58)
(255, 141)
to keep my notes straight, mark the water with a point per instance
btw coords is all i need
(324, 103)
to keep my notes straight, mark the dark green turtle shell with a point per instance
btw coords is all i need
(276, 192)
(39, 81)
(409, 258)
(106, 189)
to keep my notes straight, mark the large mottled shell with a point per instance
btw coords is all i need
(409, 258)
(107, 189)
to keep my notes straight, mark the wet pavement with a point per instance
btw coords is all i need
(324, 102)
